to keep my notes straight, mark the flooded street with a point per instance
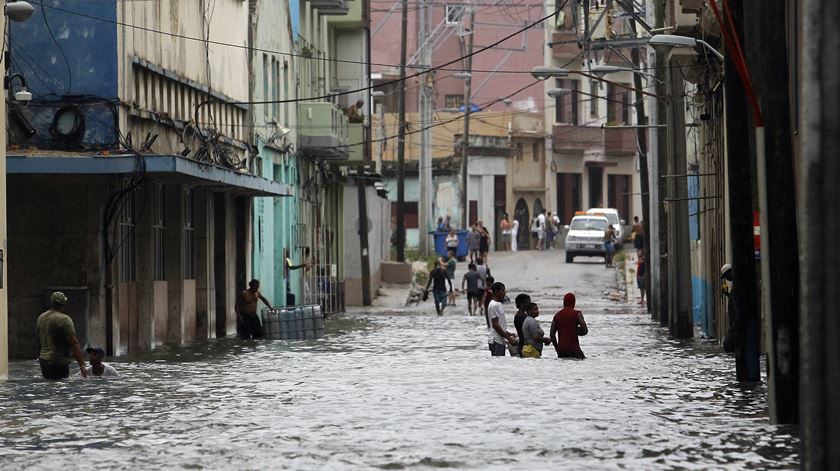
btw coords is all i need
(405, 389)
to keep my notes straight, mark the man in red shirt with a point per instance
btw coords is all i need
(566, 326)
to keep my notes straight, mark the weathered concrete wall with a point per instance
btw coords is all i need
(379, 213)
(52, 244)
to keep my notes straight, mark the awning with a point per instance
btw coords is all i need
(167, 168)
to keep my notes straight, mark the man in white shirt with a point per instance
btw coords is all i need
(97, 367)
(541, 230)
(498, 335)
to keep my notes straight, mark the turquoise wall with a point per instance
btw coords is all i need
(274, 224)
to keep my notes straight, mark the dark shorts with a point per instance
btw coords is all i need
(250, 327)
(579, 356)
(497, 350)
(609, 246)
(484, 247)
(639, 242)
(640, 282)
(440, 296)
(54, 369)
(474, 294)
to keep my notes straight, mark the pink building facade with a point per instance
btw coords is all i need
(449, 21)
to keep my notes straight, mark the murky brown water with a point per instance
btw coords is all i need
(400, 391)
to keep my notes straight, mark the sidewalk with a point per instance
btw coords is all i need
(627, 280)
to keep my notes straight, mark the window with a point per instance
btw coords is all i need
(454, 101)
(519, 151)
(265, 84)
(454, 13)
(594, 88)
(285, 93)
(188, 240)
(275, 88)
(566, 106)
(159, 231)
(537, 151)
(619, 103)
(125, 242)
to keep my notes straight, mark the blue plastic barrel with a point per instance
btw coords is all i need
(440, 244)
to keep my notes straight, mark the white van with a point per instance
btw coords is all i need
(586, 236)
(612, 216)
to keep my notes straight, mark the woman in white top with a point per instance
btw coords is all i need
(513, 232)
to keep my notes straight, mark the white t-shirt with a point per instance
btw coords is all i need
(496, 310)
(515, 227)
(541, 221)
(556, 219)
(109, 372)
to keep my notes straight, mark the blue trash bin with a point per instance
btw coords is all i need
(440, 244)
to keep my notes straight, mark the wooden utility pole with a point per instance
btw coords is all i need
(641, 136)
(401, 140)
(744, 321)
(465, 152)
(659, 232)
(818, 249)
(765, 30)
(361, 187)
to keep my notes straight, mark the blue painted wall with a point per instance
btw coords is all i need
(89, 43)
(702, 302)
(294, 14)
(694, 206)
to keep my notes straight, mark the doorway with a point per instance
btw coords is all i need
(596, 187)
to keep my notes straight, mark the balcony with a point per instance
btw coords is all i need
(352, 15)
(356, 146)
(620, 141)
(330, 7)
(571, 138)
(323, 130)
(564, 44)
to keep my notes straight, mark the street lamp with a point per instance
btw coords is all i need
(462, 75)
(672, 40)
(545, 73)
(602, 70)
(19, 10)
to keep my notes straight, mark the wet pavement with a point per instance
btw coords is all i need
(405, 389)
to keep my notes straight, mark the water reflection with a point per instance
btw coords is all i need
(400, 391)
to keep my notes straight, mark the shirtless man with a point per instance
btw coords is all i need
(246, 311)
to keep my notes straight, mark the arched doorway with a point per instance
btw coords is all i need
(523, 236)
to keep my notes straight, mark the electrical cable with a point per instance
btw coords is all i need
(60, 49)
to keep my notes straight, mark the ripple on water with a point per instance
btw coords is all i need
(401, 391)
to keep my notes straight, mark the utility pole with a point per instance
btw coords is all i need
(465, 152)
(744, 321)
(659, 232)
(765, 30)
(641, 136)
(817, 201)
(361, 187)
(401, 140)
(425, 113)
(681, 322)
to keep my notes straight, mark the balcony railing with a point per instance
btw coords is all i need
(564, 44)
(615, 141)
(323, 130)
(620, 141)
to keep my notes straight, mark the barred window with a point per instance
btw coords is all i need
(188, 255)
(454, 101)
(126, 240)
(159, 232)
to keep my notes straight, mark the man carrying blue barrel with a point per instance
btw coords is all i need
(246, 311)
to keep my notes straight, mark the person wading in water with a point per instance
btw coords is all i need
(566, 326)
(246, 310)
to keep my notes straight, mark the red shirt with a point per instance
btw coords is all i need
(566, 323)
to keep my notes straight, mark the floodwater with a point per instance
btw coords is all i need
(401, 390)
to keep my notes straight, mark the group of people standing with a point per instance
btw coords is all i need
(544, 229)
(566, 326)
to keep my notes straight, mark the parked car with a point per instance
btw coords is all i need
(586, 236)
(612, 216)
